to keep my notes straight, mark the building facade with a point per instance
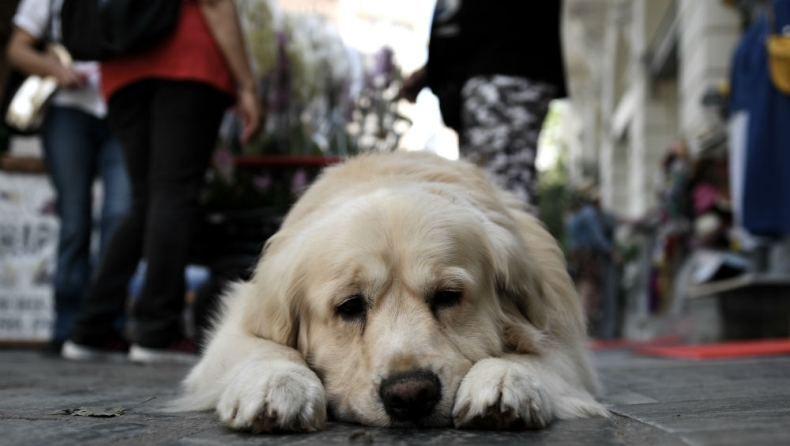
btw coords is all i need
(639, 71)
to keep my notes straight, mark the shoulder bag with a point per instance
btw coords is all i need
(25, 97)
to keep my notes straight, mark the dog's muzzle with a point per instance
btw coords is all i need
(410, 396)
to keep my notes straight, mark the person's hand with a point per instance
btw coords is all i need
(68, 78)
(413, 85)
(249, 109)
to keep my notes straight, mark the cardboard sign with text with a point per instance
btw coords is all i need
(28, 243)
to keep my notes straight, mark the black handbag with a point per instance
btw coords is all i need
(103, 29)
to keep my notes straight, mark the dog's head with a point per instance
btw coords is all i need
(393, 295)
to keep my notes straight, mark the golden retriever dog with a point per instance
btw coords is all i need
(402, 290)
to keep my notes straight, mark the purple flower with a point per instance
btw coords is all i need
(299, 181)
(262, 182)
(223, 164)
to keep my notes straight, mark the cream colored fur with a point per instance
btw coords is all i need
(397, 228)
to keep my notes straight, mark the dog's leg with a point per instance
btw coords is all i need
(272, 394)
(254, 384)
(522, 392)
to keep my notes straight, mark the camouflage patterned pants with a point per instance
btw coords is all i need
(502, 117)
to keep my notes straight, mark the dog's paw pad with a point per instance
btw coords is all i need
(497, 394)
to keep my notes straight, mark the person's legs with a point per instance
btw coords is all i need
(104, 301)
(115, 182)
(184, 123)
(70, 158)
(502, 117)
(587, 295)
(609, 304)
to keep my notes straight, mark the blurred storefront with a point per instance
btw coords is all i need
(639, 72)
(650, 89)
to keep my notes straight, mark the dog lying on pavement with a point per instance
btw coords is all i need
(402, 290)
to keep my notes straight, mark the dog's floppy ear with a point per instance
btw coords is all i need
(537, 296)
(273, 309)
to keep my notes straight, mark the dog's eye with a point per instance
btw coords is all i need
(354, 308)
(446, 298)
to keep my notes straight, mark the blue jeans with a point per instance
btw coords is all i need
(78, 147)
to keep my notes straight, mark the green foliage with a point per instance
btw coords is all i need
(260, 32)
(554, 200)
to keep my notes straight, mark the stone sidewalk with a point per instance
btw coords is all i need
(654, 401)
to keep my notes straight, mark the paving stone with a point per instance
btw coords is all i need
(654, 402)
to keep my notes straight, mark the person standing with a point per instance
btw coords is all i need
(495, 67)
(592, 261)
(165, 105)
(78, 146)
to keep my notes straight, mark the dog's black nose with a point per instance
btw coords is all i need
(410, 396)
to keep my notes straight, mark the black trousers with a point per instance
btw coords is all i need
(168, 130)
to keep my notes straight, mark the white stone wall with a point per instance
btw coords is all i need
(709, 32)
(643, 119)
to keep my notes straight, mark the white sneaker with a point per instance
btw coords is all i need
(77, 352)
(175, 354)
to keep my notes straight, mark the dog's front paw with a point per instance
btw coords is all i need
(501, 394)
(271, 396)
